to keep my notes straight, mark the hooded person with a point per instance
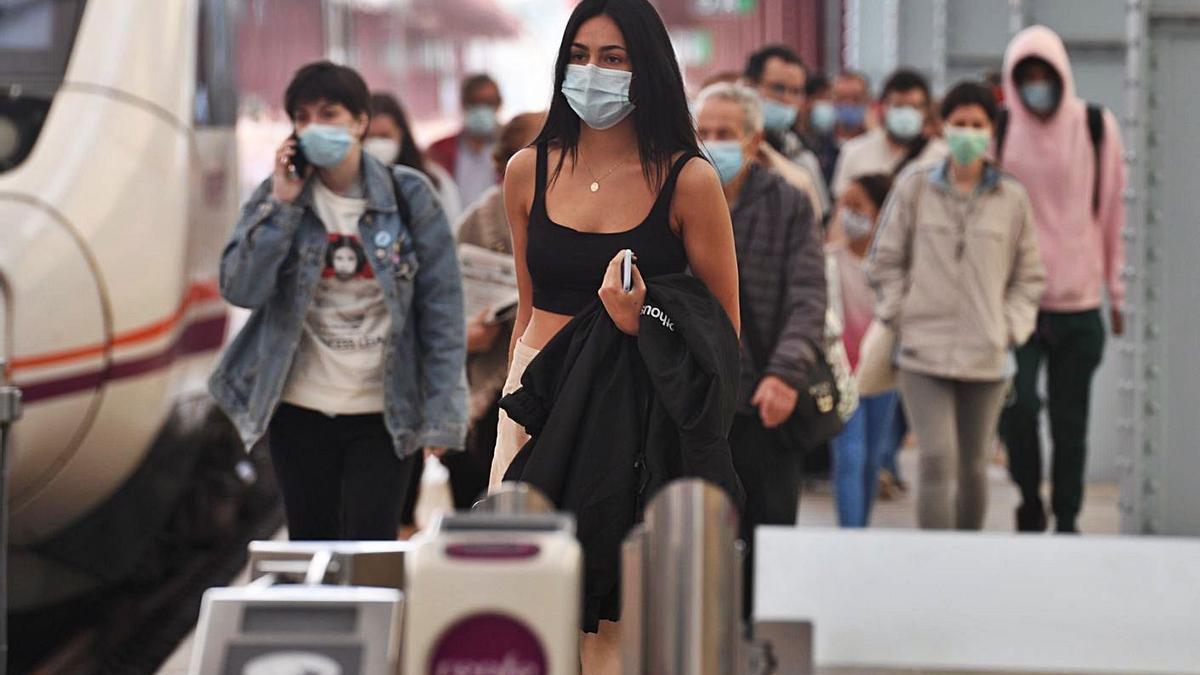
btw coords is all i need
(1069, 157)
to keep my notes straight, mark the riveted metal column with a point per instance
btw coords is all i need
(1018, 16)
(891, 35)
(939, 47)
(1139, 429)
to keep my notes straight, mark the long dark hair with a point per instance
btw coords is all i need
(409, 155)
(663, 122)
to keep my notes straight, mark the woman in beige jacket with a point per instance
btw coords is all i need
(958, 277)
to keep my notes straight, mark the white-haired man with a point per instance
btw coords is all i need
(781, 268)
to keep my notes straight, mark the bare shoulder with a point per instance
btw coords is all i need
(521, 168)
(697, 177)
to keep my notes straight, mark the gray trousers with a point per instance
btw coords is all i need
(955, 422)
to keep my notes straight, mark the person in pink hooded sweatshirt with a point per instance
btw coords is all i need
(1054, 145)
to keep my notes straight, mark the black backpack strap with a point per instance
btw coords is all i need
(1001, 133)
(914, 151)
(1095, 122)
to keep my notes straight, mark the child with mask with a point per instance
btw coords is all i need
(869, 436)
(350, 364)
(956, 269)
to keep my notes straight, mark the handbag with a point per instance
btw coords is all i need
(876, 372)
(815, 420)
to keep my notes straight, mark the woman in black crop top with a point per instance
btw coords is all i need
(615, 167)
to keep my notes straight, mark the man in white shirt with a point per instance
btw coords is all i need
(907, 136)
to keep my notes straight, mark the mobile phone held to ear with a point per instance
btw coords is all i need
(627, 271)
(299, 165)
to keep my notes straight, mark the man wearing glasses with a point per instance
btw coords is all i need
(778, 75)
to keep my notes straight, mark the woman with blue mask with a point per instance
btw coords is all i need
(350, 363)
(958, 278)
(616, 166)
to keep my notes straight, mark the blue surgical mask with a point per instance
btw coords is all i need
(823, 116)
(904, 122)
(600, 96)
(856, 225)
(480, 120)
(851, 116)
(727, 157)
(1041, 97)
(325, 145)
(777, 116)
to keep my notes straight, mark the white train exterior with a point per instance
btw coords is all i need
(111, 225)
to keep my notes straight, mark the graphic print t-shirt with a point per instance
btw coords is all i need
(338, 367)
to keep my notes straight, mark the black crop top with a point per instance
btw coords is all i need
(567, 266)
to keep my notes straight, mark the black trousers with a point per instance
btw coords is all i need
(1071, 345)
(340, 476)
(770, 474)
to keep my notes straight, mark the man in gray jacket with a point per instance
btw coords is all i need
(781, 272)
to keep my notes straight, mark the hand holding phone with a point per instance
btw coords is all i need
(286, 184)
(299, 163)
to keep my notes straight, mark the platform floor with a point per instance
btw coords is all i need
(1100, 516)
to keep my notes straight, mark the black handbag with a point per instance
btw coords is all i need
(815, 421)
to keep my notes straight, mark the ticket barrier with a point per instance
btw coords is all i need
(495, 593)
(494, 590)
(681, 594)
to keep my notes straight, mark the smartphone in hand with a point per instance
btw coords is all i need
(300, 164)
(627, 271)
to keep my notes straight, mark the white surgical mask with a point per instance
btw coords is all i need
(856, 225)
(904, 122)
(480, 120)
(600, 96)
(386, 150)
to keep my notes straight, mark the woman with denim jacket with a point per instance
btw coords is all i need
(352, 360)
(956, 269)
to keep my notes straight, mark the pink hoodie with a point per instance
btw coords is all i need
(1082, 251)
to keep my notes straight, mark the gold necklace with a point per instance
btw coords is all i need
(595, 187)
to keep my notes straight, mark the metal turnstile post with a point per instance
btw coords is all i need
(10, 411)
(691, 588)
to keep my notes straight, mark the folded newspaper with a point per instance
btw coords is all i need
(489, 283)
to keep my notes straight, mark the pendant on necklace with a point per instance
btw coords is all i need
(595, 185)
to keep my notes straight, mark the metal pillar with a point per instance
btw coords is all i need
(940, 45)
(851, 48)
(1018, 17)
(891, 36)
(10, 411)
(1138, 428)
(682, 593)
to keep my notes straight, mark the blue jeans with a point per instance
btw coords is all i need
(857, 454)
(898, 431)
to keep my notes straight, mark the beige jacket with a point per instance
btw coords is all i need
(485, 224)
(958, 276)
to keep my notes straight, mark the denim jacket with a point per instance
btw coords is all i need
(272, 265)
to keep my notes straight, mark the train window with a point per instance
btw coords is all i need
(216, 93)
(35, 44)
